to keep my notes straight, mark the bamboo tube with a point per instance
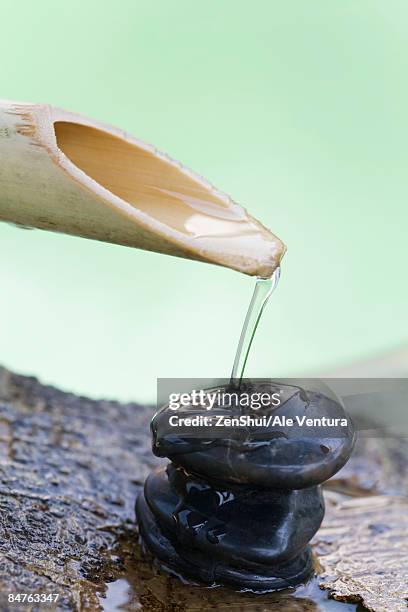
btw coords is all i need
(64, 172)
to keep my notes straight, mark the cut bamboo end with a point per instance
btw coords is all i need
(63, 172)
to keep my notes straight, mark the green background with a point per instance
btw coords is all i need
(297, 109)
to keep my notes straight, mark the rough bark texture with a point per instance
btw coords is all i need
(363, 543)
(362, 549)
(70, 472)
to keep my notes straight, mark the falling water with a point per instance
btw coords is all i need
(262, 292)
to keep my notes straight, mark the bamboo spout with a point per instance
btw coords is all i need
(64, 172)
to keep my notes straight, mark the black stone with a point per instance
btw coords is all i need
(188, 562)
(238, 505)
(290, 457)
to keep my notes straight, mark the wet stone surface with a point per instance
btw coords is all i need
(239, 505)
(279, 456)
(231, 536)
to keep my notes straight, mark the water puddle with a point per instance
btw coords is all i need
(144, 587)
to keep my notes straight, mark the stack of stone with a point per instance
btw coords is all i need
(239, 505)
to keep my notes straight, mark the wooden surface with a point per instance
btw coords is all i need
(70, 472)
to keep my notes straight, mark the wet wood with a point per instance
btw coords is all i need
(70, 470)
(362, 548)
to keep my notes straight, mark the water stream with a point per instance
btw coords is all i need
(263, 290)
